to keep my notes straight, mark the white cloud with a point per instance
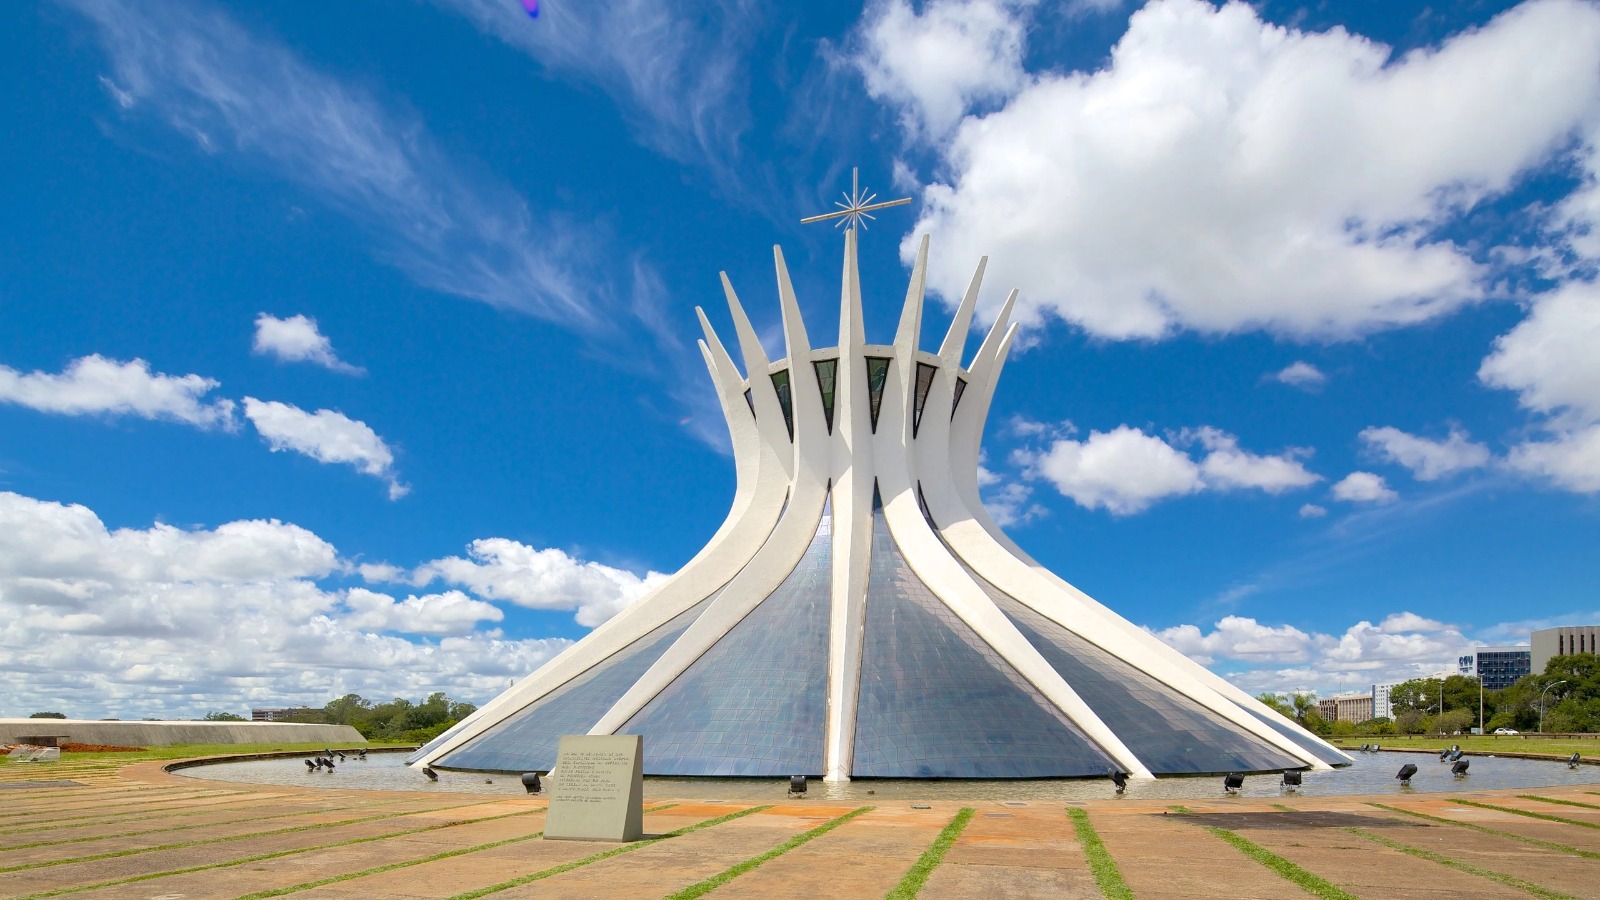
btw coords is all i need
(935, 64)
(197, 71)
(1125, 470)
(1260, 657)
(94, 385)
(1301, 374)
(1569, 460)
(1222, 174)
(1226, 467)
(164, 621)
(296, 339)
(325, 436)
(1122, 471)
(503, 569)
(1363, 487)
(1428, 460)
(451, 612)
(1012, 504)
(1312, 511)
(1549, 358)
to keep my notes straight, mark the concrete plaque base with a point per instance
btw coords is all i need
(597, 789)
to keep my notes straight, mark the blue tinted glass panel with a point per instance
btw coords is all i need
(1170, 733)
(925, 375)
(1284, 728)
(826, 370)
(754, 703)
(938, 702)
(526, 741)
(877, 374)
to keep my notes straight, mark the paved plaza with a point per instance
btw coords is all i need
(96, 829)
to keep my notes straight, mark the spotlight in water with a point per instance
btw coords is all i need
(1291, 779)
(1460, 767)
(1232, 782)
(1572, 761)
(1120, 779)
(797, 785)
(530, 782)
(1405, 773)
(432, 775)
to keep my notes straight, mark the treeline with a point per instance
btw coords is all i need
(396, 720)
(1569, 686)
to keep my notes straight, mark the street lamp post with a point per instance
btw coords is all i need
(1541, 703)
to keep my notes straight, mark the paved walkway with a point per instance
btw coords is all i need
(140, 832)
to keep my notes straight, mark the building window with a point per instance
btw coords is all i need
(750, 398)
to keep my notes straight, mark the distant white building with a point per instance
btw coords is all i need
(1380, 699)
(1553, 642)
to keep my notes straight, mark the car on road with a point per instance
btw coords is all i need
(1506, 731)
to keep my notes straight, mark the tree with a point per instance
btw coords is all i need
(217, 716)
(48, 715)
(1305, 704)
(1275, 703)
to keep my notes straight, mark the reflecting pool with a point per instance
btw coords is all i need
(1372, 773)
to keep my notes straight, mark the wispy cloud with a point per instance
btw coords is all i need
(236, 94)
(673, 69)
(297, 339)
(326, 436)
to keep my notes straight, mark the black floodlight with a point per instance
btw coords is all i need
(310, 766)
(530, 782)
(1572, 761)
(1120, 779)
(1460, 767)
(1375, 748)
(797, 785)
(432, 775)
(1232, 782)
(1405, 773)
(1291, 778)
(1455, 754)
(1366, 748)
(327, 763)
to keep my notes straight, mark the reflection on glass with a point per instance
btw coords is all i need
(780, 381)
(750, 398)
(754, 703)
(938, 702)
(526, 741)
(825, 372)
(877, 374)
(961, 388)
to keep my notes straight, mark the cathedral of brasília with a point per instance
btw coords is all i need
(859, 615)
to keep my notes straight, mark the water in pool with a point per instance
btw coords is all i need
(1372, 773)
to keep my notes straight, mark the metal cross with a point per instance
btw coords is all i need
(857, 206)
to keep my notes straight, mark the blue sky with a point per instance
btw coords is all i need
(352, 348)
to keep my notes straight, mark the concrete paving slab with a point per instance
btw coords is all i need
(1160, 857)
(865, 858)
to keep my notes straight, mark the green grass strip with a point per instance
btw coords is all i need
(917, 875)
(181, 812)
(1281, 807)
(279, 854)
(1537, 842)
(1106, 873)
(1557, 800)
(1525, 812)
(604, 854)
(1312, 884)
(114, 854)
(1508, 880)
(122, 834)
(700, 889)
(141, 806)
(406, 864)
(1182, 810)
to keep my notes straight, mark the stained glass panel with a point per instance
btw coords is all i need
(825, 372)
(925, 375)
(877, 374)
(780, 381)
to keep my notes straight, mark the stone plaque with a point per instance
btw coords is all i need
(597, 789)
